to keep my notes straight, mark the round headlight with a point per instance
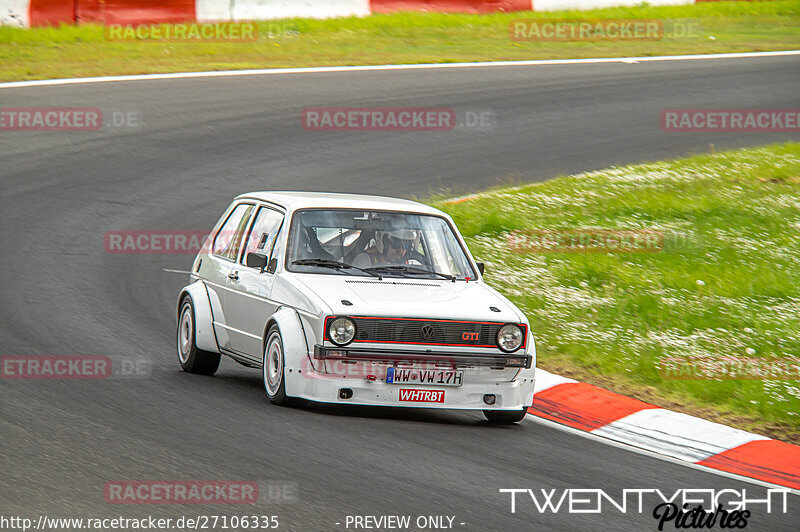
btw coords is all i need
(510, 337)
(342, 331)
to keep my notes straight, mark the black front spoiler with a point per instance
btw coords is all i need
(456, 360)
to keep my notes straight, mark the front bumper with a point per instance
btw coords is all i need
(326, 388)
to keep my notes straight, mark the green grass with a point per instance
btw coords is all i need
(71, 51)
(725, 283)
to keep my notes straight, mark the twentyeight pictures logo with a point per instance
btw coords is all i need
(682, 508)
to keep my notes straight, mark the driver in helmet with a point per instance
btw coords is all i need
(390, 247)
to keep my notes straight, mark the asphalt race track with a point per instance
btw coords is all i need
(199, 142)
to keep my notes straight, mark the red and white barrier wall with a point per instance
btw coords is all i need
(26, 13)
(273, 9)
(487, 6)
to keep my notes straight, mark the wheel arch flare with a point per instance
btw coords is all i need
(205, 338)
(295, 346)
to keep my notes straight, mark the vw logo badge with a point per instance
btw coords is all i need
(427, 332)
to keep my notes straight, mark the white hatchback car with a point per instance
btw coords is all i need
(350, 299)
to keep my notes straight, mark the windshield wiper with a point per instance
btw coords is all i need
(328, 263)
(409, 269)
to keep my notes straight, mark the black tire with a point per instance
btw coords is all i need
(191, 358)
(505, 417)
(272, 370)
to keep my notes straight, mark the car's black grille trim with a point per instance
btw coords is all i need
(428, 332)
(395, 358)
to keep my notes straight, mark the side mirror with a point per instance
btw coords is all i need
(254, 260)
(272, 266)
(481, 267)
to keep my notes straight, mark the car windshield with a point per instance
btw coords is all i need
(377, 243)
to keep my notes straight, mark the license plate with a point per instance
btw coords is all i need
(421, 396)
(432, 377)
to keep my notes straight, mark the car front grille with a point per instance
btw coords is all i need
(429, 332)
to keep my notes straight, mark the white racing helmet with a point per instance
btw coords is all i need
(397, 238)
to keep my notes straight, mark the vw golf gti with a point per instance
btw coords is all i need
(344, 298)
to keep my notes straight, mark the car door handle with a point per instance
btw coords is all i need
(233, 276)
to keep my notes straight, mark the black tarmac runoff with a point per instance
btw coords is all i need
(172, 154)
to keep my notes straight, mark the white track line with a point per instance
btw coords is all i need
(651, 454)
(371, 68)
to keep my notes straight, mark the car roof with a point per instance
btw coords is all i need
(293, 200)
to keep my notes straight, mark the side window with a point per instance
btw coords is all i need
(229, 238)
(262, 235)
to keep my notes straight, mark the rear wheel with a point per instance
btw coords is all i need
(273, 364)
(505, 417)
(191, 358)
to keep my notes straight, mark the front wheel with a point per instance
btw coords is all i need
(505, 417)
(191, 358)
(273, 365)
